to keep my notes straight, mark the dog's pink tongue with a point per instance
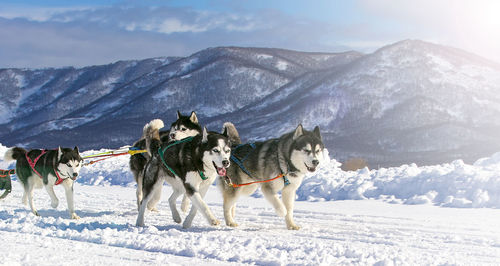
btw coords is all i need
(221, 171)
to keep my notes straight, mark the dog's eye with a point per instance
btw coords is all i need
(68, 164)
(183, 129)
(307, 151)
(216, 150)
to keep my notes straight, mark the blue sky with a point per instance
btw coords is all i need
(59, 33)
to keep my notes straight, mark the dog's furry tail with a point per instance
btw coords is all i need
(151, 133)
(230, 131)
(14, 154)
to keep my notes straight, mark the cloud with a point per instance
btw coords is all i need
(80, 36)
(86, 36)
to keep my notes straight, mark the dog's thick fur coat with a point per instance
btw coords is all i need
(205, 155)
(64, 162)
(184, 126)
(293, 154)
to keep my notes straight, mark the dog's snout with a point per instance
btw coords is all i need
(315, 162)
(172, 135)
(225, 163)
(75, 174)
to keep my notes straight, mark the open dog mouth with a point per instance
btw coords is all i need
(220, 170)
(310, 169)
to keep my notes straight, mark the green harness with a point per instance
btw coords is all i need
(161, 152)
(5, 181)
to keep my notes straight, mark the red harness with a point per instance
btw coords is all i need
(32, 164)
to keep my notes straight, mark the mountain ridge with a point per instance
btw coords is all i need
(385, 106)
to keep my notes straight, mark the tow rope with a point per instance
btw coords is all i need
(161, 152)
(113, 153)
(230, 183)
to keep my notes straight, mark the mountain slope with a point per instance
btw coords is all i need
(411, 101)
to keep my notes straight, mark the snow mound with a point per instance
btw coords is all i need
(454, 184)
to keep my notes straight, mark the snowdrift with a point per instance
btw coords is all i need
(454, 184)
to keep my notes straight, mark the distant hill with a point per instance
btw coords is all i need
(411, 101)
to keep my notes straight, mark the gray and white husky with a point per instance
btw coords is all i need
(47, 168)
(292, 155)
(190, 167)
(183, 127)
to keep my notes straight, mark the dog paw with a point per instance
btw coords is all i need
(54, 204)
(139, 223)
(177, 219)
(232, 224)
(153, 209)
(75, 216)
(186, 224)
(215, 222)
(293, 227)
(36, 213)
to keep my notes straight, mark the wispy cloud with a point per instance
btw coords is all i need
(82, 36)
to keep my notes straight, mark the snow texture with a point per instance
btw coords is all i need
(336, 230)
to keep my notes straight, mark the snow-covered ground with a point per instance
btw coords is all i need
(401, 215)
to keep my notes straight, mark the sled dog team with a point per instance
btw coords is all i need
(190, 159)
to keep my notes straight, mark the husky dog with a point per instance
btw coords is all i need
(292, 155)
(48, 168)
(183, 127)
(189, 167)
(230, 131)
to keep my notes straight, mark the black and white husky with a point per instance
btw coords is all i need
(190, 166)
(292, 155)
(47, 168)
(183, 127)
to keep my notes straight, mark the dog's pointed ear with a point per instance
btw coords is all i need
(224, 132)
(76, 149)
(59, 153)
(178, 114)
(299, 131)
(316, 132)
(193, 117)
(204, 139)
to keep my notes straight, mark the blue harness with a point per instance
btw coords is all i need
(239, 162)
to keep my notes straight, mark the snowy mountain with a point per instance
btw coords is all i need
(408, 102)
